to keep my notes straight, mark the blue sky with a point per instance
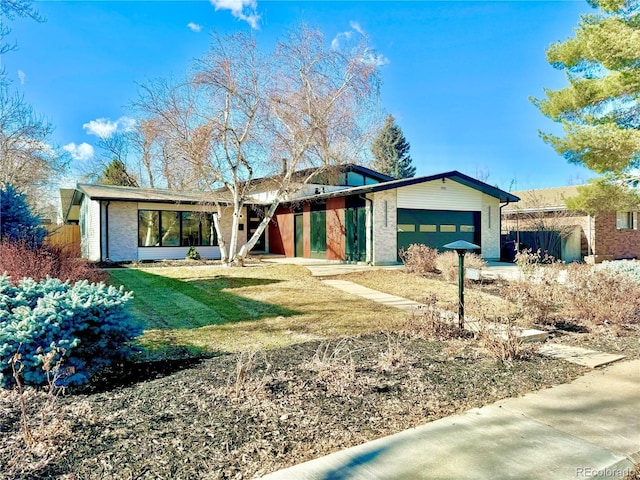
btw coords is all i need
(457, 77)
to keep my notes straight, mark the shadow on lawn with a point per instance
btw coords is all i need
(166, 303)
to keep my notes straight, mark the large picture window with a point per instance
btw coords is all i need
(170, 229)
(163, 228)
(148, 228)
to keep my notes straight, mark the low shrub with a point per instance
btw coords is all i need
(419, 259)
(192, 254)
(600, 296)
(85, 324)
(529, 261)
(19, 259)
(500, 337)
(430, 322)
(628, 268)
(447, 264)
(539, 296)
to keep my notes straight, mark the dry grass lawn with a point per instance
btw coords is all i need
(237, 309)
(397, 282)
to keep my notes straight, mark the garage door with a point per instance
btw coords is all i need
(435, 228)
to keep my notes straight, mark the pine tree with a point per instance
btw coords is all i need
(605, 194)
(599, 110)
(391, 151)
(17, 221)
(115, 173)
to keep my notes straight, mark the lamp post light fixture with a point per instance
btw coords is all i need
(461, 247)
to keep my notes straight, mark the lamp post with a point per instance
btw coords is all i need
(461, 247)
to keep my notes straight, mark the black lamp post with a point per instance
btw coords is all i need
(461, 247)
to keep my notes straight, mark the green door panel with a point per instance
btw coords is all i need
(319, 234)
(356, 234)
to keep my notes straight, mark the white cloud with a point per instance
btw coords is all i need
(241, 9)
(126, 124)
(194, 27)
(371, 57)
(22, 76)
(356, 26)
(101, 127)
(335, 43)
(104, 127)
(81, 152)
(376, 59)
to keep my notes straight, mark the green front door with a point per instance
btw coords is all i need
(319, 234)
(299, 235)
(356, 234)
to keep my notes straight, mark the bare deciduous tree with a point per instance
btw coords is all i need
(27, 161)
(243, 115)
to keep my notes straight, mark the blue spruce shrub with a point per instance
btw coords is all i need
(86, 323)
(17, 222)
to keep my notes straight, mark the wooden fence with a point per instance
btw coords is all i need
(64, 235)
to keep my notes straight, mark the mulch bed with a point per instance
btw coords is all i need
(242, 416)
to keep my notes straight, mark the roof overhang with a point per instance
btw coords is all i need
(501, 195)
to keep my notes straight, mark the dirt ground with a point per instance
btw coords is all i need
(242, 416)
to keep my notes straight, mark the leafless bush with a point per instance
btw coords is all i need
(42, 428)
(597, 297)
(539, 296)
(336, 368)
(20, 260)
(395, 356)
(431, 322)
(247, 364)
(419, 259)
(530, 261)
(447, 264)
(501, 339)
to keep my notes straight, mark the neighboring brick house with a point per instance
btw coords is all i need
(358, 215)
(543, 214)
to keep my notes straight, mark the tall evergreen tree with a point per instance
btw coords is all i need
(115, 173)
(391, 151)
(599, 110)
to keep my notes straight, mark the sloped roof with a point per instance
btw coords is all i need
(543, 199)
(66, 199)
(149, 195)
(155, 195)
(454, 175)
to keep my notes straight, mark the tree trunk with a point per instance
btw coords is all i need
(221, 243)
(246, 248)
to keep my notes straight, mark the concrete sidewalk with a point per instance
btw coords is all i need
(589, 428)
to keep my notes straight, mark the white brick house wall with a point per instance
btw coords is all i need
(490, 228)
(385, 220)
(123, 232)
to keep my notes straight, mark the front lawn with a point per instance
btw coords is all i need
(213, 309)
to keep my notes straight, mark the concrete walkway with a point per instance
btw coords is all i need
(589, 428)
(330, 268)
(374, 295)
(577, 355)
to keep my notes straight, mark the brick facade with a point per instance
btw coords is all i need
(613, 244)
(600, 238)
